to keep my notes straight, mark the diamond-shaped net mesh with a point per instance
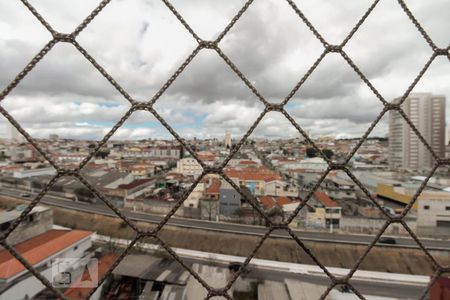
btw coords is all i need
(149, 107)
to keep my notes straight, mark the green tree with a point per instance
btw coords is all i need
(311, 152)
(328, 153)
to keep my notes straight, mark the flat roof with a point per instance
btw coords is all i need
(11, 215)
(152, 268)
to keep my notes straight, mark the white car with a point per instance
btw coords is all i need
(25, 195)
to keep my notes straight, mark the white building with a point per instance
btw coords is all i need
(41, 251)
(189, 167)
(227, 142)
(316, 164)
(34, 172)
(14, 134)
(427, 113)
(434, 210)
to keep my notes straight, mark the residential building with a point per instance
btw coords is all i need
(253, 178)
(229, 200)
(427, 113)
(189, 166)
(338, 188)
(324, 212)
(280, 188)
(16, 282)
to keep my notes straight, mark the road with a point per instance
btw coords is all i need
(326, 237)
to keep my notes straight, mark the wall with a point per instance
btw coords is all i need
(230, 201)
(154, 207)
(437, 211)
(43, 222)
(371, 226)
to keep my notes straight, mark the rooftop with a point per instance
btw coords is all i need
(134, 183)
(270, 201)
(7, 216)
(325, 200)
(37, 249)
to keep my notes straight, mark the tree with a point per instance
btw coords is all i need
(311, 152)
(328, 153)
(103, 153)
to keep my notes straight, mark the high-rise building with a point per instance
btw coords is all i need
(427, 113)
(14, 134)
(227, 141)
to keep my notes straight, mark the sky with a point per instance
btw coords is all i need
(141, 44)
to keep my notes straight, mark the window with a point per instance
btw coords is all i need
(447, 208)
(426, 207)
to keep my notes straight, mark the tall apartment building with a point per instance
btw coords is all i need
(427, 113)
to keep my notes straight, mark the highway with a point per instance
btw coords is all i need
(326, 237)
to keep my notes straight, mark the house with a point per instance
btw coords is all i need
(323, 211)
(338, 188)
(41, 251)
(280, 188)
(254, 178)
(213, 190)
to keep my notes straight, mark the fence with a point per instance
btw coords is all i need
(214, 45)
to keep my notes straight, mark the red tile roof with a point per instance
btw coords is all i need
(104, 263)
(214, 188)
(270, 201)
(38, 249)
(325, 200)
(282, 200)
(252, 174)
(267, 202)
(134, 184)
(248, 162)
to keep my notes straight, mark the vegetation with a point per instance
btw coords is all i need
(312, 152)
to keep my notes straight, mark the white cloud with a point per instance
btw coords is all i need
(141, 44)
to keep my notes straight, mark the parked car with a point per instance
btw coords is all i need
(387, 240)
(24, 195)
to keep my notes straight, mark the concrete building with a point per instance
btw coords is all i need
(338, 188)
(324, 211)
(227, 142)
(41, 251)
(427, 113)
(189, 167)
(14, 135)
(34, 172)
(229, 200)
(38, 221)
(433, 212)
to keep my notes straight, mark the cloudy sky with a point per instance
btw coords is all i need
(141, 44)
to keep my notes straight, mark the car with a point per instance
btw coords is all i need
(24, 195)
(387, 240)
